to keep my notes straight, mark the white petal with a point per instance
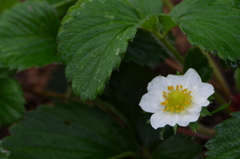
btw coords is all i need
(201, 92)
(150, 101)
(175, 80)
(158, 83)
(206, 103)
(195, 109)
(191, 78)
(184, 120)
(161, 119)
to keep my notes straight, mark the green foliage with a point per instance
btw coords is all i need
(11, 101)
(60, 5)
(75, 130)
(226, 143)
(204, 112)
(167, 22)
(68, 131)
(237, 3)
(194, 126)
(95, 35)
(6, 73)
(145, 50)
(28, 35)
(176, 147)
(124, 92)
(55, 3)
(3, 153)
(6, 4)
(212, 25)
(197, 60)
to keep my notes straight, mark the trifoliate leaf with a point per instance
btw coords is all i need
(95, 35)
(226, 144)
(212, 25)
(145, 50)
(28, 35)
(11, 101)
(68, 131)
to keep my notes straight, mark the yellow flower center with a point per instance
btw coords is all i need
(177, 99)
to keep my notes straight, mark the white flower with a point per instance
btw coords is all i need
(176, 99)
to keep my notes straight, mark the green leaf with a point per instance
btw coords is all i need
(212, 25)
(145, 50)
(6, 4)
(167, 22)
(60, 5)
(151, 24)
(11, 101)
(237, 3)
(197, 60)
(67, 131)
(28, 35)
(226, 144)
(179, 147)
(194, 126)
(204, 112)
(95, 35)
(6, 73)
(3, 153)
(55, 3)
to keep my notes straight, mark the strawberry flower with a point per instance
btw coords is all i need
(176, 99)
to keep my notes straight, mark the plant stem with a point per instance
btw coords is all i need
(218, 75)
(168, 4)
(224, 106)
(206, 131)
(69, 93)
(173, 65)
(169, 47)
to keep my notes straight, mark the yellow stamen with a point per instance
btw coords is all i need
(177, 87)
(177, 99)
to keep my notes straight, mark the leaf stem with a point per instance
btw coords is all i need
(168, 4)
(218, 76)
(224, 106)
(123, 155)
(169, 46)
